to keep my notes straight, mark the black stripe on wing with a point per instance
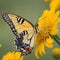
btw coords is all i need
(7, 19)
(20, 20)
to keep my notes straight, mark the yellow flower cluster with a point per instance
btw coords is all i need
(47, 25)
(12, 56)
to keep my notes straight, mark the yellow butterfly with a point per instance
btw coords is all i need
(24, 31)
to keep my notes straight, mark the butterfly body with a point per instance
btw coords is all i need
(24, 31)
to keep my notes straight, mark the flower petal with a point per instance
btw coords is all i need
(49, 42)
(36, 52)
(41, 49)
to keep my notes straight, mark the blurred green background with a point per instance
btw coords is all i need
(30, 10)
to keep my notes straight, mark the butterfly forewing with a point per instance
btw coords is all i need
(18, 24)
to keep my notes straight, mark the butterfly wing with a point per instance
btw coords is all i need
(18, 24)
(23, 30)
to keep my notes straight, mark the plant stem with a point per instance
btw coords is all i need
(56, 38)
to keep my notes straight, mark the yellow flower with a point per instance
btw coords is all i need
(56, 53)
(54, 4)
(0, 45)
(46, 0)
(12, 56)
(47, 26)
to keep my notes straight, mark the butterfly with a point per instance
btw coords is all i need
(24, 31)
